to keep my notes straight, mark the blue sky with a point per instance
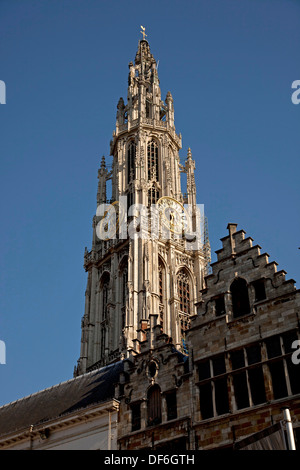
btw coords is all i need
(229, 65)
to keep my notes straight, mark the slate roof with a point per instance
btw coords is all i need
(75, 394)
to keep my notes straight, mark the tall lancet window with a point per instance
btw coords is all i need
(152, 153)
(131, 152)
(104, 289)
(153, 195)
(148, 109)
(161, 280)
(123, 277)
(184, 294)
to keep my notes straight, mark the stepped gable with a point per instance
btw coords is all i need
(240, 258)
(227, 317)
(153, 349)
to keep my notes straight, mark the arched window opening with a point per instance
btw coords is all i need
(103, 336)
(184, 294)
(148, 109)
(153, 195)
(131, 153)
(160, 273)
(161, 280)
(104, 288)
(124, 286)
(123, 273)
(154, 406)
(240, 298)
(152, 154)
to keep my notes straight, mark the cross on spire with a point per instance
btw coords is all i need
(143, 32)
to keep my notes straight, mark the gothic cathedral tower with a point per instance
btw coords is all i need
(132, 277)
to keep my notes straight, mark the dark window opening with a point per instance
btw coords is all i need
(105, 287)
(135, 417)
(103, 338)
(129, 200)
(152, 368)
(241, 390)
(131, 151)
(214, 393)
(148, 109)
(154, 406)
(220, 306)
(278, 380)
(124, 280)
(237, 359)
(206, 403)
(288, 339)
(240, 298)
(171, 405)
(293, 370)
(204, 370)
(219, 365)
(260, 291)
(253, 354)
(273, 347)
(257, 385)
(221, 396)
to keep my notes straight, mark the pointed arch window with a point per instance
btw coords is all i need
(123, 273)
(148, 108)
(153, 195)
(184, 294)
(124, 286)
(131, 153)
(240, 298)
(160, 272)
(161, 280)
(103, 337)
(104, 288)
(152, 154)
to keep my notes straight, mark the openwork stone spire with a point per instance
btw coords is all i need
(130, 279)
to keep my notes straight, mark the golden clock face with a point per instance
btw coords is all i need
(112, 219)
(173, 215)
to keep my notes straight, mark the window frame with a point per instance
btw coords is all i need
(251, 367)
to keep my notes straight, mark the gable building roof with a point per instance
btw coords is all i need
(60, 400)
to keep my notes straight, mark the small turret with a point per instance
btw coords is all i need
(102, 176)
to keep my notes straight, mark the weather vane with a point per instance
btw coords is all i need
(143, 32)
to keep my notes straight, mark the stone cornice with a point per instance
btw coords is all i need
(59, 423)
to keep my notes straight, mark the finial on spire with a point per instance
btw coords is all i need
(103, 162)
(143, 32)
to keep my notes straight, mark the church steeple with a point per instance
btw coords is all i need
(156, 166)
(130, 279)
